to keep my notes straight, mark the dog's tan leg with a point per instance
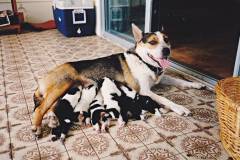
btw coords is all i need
(51, 96)
(52, 118)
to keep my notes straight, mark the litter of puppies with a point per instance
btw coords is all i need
(97, 105)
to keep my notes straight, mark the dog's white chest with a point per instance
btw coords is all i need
(140, 70)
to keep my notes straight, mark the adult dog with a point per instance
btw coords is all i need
(140, 68)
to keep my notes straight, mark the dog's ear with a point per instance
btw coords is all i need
(137, 33)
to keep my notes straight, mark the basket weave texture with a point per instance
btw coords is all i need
(228, 108)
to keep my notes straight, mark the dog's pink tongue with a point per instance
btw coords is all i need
(164, 63)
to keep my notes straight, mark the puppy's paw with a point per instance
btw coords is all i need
(143, 117)
(88, 122)
(62, 140)
(158, 113)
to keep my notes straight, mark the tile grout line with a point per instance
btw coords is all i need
(6, 107)
(19, 41)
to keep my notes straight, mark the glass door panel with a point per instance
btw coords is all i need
(204, 34)
(121, 13)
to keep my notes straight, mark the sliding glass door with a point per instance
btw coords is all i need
(119, 14)
(204, 34)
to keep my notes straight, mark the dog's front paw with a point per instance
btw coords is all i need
(37, 131)
(186, 112)
(183, 111)
(143, 117)
(197, 85)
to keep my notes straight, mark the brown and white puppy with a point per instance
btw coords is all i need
(140, 68)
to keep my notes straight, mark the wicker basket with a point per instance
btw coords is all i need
(228, 107)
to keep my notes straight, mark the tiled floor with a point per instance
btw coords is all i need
(25, 58)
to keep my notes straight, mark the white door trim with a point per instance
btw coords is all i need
(236, 71)
(148, 16)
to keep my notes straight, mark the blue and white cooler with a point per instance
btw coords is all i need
(75, 17)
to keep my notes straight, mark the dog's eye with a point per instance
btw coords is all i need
(166, 40)
(153, 42)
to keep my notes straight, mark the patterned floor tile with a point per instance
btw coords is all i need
(3, 118)
(115, 157)
(79, 153)
(5, 156)
(12, 88)
(204, 116)
(116, 131)
(57, 156)
(2, 102)
(4, 141)
(133, 125)
(75, 129)
(79, 147)
(195, 145)
(22, 136)
(51, 149)
(129, 141)
(163, 151)
(203, 94)
(177, 142)
(80, 140)
(171, 124)
(16, 99)
(28, 153)
(103, 144)
(2, 90)
(149, 136)
(181, 99)
(215, 132)
(141, 153)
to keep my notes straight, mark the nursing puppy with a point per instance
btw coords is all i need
(87, 96)
(98, 114)
(119, 100)
(65, 114)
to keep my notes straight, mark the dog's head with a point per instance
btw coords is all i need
(153, 48)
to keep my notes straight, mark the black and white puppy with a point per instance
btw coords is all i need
(87, 96)
(119, 100)
(65, 113)
(98, 114)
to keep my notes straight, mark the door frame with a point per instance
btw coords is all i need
(101, 26)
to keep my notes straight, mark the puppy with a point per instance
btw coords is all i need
(65, 113)
(87, 96)
(121, 100)
(107, 89)
(97, 112)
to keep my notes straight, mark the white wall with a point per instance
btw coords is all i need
(36, 11)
